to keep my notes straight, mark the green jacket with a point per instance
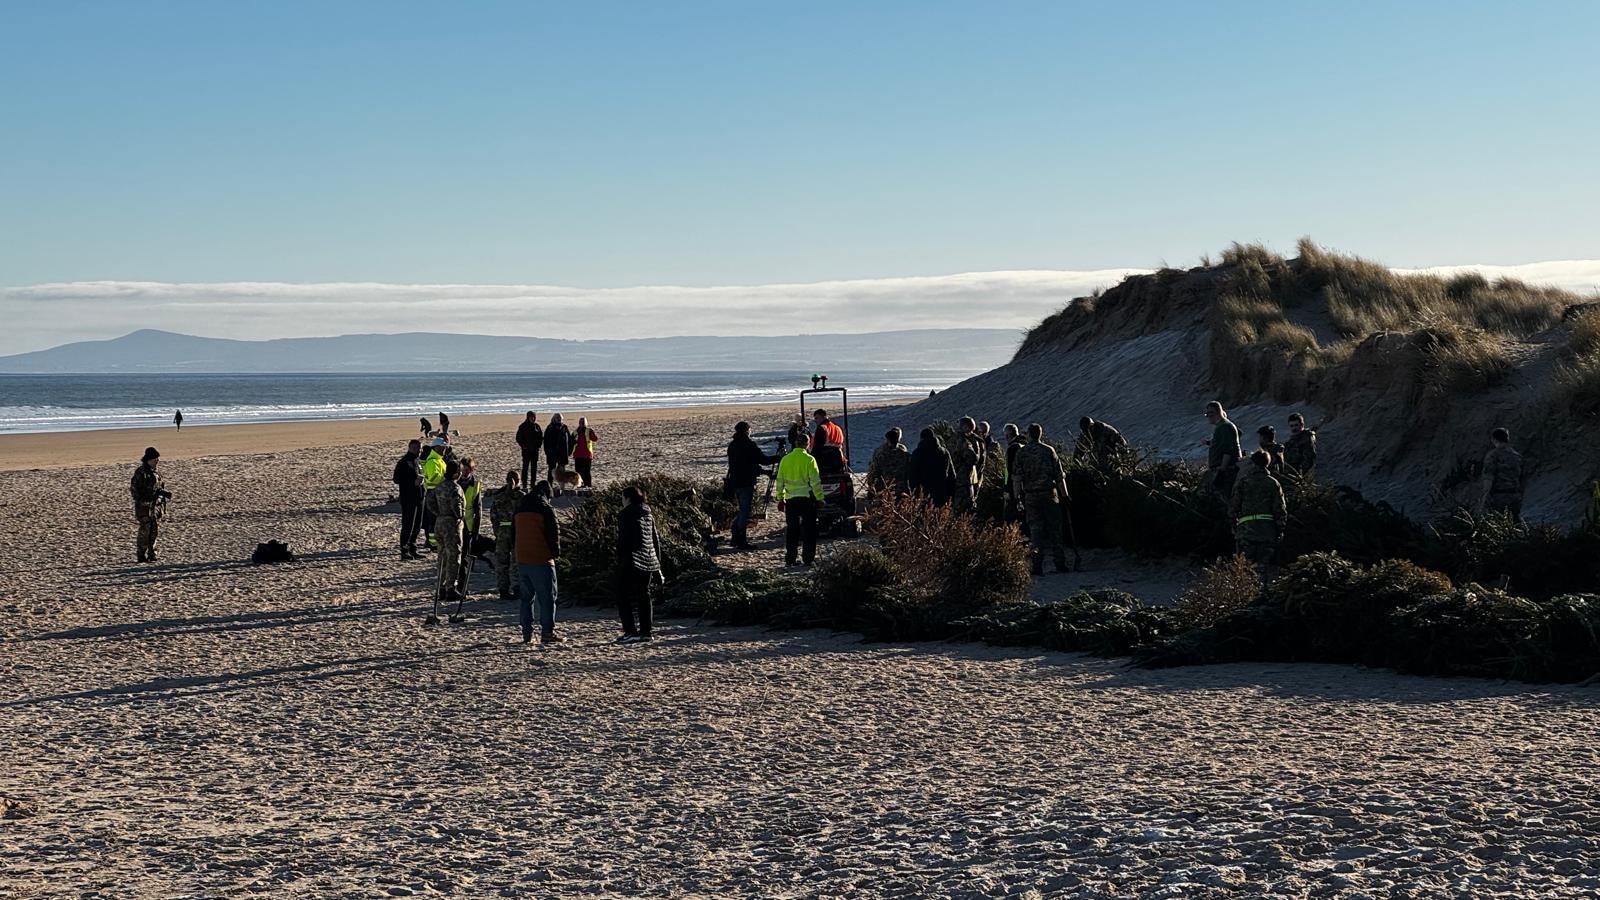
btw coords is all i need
(1224, 445)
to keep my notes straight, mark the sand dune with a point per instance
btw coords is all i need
(202, 727)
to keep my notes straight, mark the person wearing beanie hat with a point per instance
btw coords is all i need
(150, 498)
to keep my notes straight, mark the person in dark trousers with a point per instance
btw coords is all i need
(408, 478)
(530, 437)
(745, 459)
(932, 471)
(538, 543)
(177, 420)
(799, 493)
(638, 563)
(444, 423)
(427, 427)
(557, 450)
(583, 440)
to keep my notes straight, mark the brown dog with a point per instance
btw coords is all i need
(567, 480)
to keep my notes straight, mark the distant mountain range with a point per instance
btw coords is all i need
(149, 351)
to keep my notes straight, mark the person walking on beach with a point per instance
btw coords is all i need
(538, 546)
(1258, 510)
(471, 518)
(799, 492)
(502, 517)
(427, 427)
(890, 468)
(1043, 486)
(745, 461)
(638, 564)
(1503, 482)
(449, 506)
(408, 479)
(150, 497)
(932, 472)
(1222, 460)
(177, 420)
(583, 441)
(1300, 451)
(530, 438)
(444, 423)
(557, 451)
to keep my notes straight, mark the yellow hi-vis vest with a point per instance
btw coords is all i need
(433, 470)
(798, 476)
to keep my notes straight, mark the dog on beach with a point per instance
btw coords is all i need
(566, 479)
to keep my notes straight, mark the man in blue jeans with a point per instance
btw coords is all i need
(745, 459)
(538, 539)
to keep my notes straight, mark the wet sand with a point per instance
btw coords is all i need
(203, 727)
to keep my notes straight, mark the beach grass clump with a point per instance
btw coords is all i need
(1577, 382)
(1102, 623)
(1221, 589)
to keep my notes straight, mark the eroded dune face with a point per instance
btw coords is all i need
(1146, 356)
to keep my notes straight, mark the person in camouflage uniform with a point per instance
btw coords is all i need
(1300, 451)
(149, 503)
(502, 517)
(1099, 442)
(967, 456)
(890, 468)
(1039, 480)
(1222, 457)
(1502, 477)
(449, 506)
(1267, 439)
(1258, 510)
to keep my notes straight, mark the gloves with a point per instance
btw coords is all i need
(782, 506)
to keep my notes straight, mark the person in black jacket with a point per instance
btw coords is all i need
(638, 563)
(557, 450)
(932, 471)
(408, 477)
(745, 459)
(444, 423)
(530, 437)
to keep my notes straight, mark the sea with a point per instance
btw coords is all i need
(42, 403)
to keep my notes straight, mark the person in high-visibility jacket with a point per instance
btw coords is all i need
(799, 490)
(433, 466)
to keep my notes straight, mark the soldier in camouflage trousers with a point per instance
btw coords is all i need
(967, 455)
(502, 516)
(1258, 510)
(1502, 477)
(149, 502)
(890, 469)
(449, 507)
(1042, 486)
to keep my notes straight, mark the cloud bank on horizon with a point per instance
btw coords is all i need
(46, 315)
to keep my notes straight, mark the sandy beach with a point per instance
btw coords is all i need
(204, 727)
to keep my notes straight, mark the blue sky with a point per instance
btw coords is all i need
(724, 143)
(598, 145)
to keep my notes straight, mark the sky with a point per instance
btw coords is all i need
(196, 149)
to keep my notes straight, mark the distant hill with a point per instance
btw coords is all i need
(151, 351)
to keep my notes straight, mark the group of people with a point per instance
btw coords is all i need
(442, 501)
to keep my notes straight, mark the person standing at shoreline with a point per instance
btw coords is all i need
(150, 498)
(530, 438)
(177, 420)
(583, 441)
(638, 564)
(444, 423)
(408, 479)
(557, 451)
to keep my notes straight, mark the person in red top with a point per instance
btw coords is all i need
(583, 441)
(827, 443)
